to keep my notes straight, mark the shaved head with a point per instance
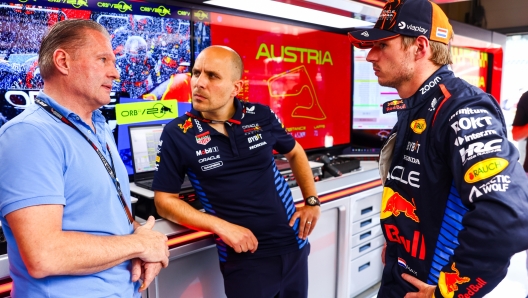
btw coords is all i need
(234, 57)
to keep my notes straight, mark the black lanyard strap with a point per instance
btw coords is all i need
(109, 168)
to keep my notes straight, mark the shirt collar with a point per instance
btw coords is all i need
(97, 116)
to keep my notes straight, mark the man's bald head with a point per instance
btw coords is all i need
(234, 57)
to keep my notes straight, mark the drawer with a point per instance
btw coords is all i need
(365, 224)
(365, 272)
(366, 247)
(366, 207)
(365, 236)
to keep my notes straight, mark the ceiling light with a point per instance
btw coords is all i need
(292, 12)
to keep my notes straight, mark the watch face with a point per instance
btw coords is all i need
(312, 201)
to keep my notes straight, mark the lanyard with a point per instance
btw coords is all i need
(109, 168)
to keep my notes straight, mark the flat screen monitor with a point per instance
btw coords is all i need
(151, 42)
(303, 74)
(370, 127)
(472, 66)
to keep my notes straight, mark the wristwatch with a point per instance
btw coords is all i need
(312, 201)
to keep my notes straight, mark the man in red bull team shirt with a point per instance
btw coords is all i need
(455, 198)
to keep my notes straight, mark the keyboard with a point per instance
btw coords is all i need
(145, 183)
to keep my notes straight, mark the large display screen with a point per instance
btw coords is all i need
(302, 74)
(151, 42)
(472, 66)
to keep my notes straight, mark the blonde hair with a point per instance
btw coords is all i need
(440, 53)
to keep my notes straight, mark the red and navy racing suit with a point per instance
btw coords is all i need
(455, 198)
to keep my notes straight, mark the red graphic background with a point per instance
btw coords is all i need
(305, 93)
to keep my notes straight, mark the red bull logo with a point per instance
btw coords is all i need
(449, 281)
(394, 103)
(394, 204)
(186, 125)
(415, 246)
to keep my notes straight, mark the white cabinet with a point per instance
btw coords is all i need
(366, 241)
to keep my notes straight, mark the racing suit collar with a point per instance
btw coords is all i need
(427, 89)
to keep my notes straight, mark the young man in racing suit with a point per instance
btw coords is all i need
(455, 199)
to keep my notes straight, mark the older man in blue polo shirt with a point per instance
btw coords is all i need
(64, 213)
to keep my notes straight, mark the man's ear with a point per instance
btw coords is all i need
(238, 84)
(61, 60)
(422, 46)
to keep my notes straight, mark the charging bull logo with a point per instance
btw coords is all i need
(394, 204)
(448, 282)
(186, 125)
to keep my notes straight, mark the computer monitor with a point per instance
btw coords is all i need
(302, 73)
(144, 140)
(370, 127)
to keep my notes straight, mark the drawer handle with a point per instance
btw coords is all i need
(363, 267)
(365, 235)
(364, 247)
(365, 223)
(366, 210)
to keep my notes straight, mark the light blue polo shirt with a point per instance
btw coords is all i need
(44, 161)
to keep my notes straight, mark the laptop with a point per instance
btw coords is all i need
(144, 140)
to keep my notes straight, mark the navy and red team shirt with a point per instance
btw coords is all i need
(235, 176)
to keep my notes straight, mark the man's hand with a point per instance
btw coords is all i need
(237, 237)
(308, 216)
(154, 243)
(425, 290)
(145, 271)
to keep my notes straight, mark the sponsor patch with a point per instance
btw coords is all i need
(394, 105)
(393, 204)
(479, 148)
(430, 85)
(211, 166)
(254, 138)
(198, 125)
(498, 183)
(207, 151)
(186, 125)
(471, 123)
(485, 169)
(411, 159)
(203, 138)
(412, 146)
(418, 126)
(257, 145)
(475, 136)
(212, 157)
(468, 111)
(448, 281)
(398, 173)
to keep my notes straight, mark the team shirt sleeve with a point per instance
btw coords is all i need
(170, 170)
(492, 188)
(284, 141)
(31, 169)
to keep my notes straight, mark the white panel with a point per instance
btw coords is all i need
(322, 262)
(365, 272)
